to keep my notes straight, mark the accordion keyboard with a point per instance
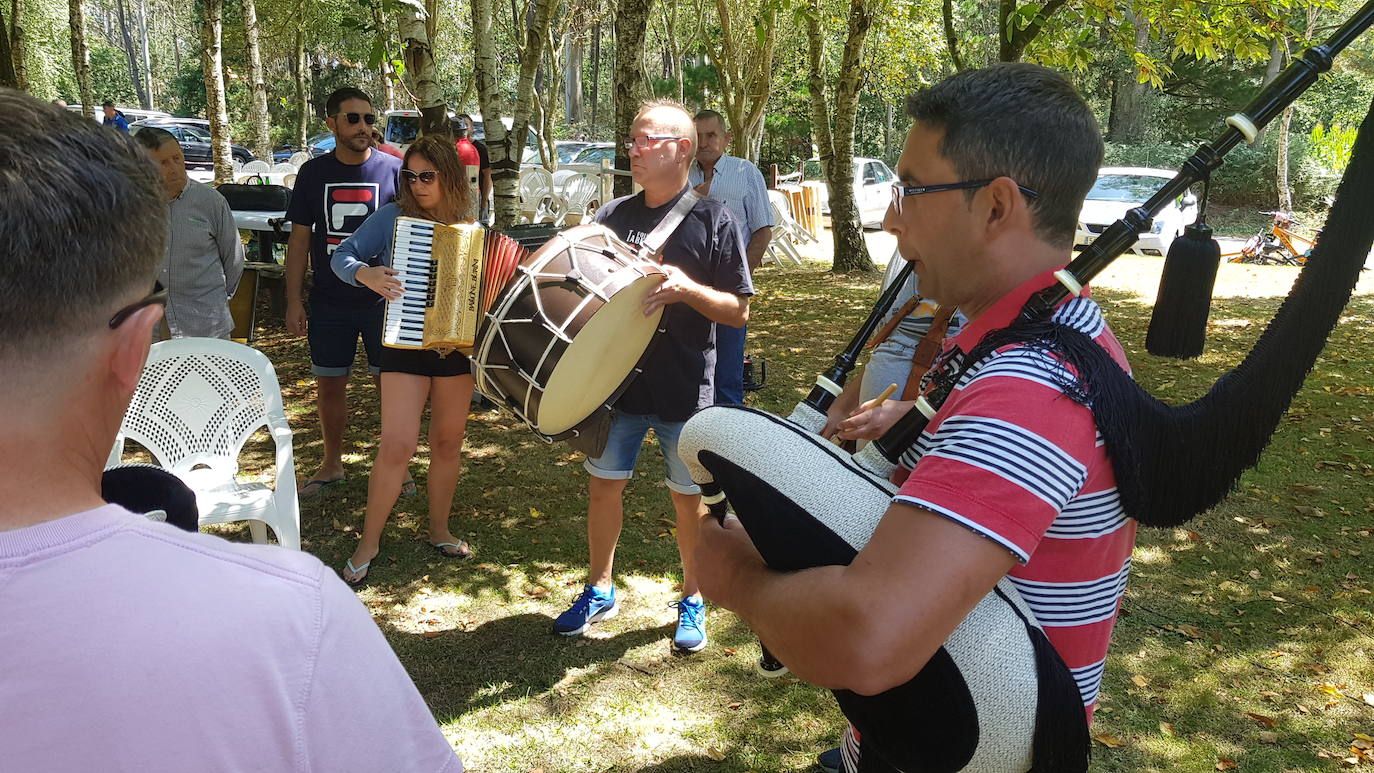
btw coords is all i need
(411, 255)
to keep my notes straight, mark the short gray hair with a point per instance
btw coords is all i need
(84, 224)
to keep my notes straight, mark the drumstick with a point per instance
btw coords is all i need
(871, 405)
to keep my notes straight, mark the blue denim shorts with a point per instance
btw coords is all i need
(625, 440)
(333, 333)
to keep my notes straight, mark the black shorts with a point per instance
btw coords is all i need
(333, 331)
(424, 362)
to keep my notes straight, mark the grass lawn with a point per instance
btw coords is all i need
(1246, 640)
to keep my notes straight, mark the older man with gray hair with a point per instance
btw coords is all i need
(204, 257)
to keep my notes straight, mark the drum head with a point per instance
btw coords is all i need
(596, 362)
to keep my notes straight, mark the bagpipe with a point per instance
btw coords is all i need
(997, 698)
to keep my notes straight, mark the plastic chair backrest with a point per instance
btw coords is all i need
(284, 168)
(298, 158)
(580, 190)
(256, 167)
(199, 400)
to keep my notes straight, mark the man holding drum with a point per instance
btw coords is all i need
(708, 282)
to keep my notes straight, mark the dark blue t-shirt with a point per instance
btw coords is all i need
(333, 199)
(678, 378)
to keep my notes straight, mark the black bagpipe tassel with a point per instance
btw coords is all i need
(1178, 325)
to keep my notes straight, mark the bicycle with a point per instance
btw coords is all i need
(1278, 246)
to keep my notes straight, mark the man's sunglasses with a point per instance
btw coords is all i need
(356, 117)
(428, 176)
(158, 296)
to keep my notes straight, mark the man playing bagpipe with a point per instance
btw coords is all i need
(1009, 479)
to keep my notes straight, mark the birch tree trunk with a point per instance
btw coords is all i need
(836, 143)
(505, 198)
(81, 56)
(388, 71)
(627, 82)
(421, 70)
(262, 132)
(212, 61)
(19, 46)
(302, 90)
(145, 53)
(572, 78)
(505, 181)
(134, 70)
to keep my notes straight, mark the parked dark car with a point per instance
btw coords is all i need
(193, 134)
(319, 145)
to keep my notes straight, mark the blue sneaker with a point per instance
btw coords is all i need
(691, 625)
(592, 606)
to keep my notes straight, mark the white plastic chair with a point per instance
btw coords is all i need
(284, 168)
(298, 159)
(197, 403)
(236, 166)
(581, 192)
(289, 180)
(256, 167)
(538, 200)
(782, 210)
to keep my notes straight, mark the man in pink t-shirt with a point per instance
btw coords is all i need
(127, 644)
(1009, 478)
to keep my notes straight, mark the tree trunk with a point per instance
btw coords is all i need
(134, 75)
(746, 74)
(18, 46)
(384, 40)
(81, 56)
(212, 60)
(302, 90)
(951, 39)
(1284, 190)
(836, 148)
(1129, 114)
(262, 131)
(1012, 43)
(673, 46)
(176, 48)
(421, 70)
(505, 198)
(627, 83)
(572, 77)
(144, 52)
(596, 72)
(7, 75)
(505, 180)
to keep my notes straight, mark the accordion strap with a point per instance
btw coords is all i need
(652, 247)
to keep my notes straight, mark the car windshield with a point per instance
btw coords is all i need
(595, 155)
(1131, 188)
(196, 133)
(402, 129)
(322, 141)
(567, 151)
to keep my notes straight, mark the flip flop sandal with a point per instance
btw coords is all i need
(462, 548)
(321, 486)
(358, 580)
(409, 489)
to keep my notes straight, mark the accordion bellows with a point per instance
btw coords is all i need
(805, 502)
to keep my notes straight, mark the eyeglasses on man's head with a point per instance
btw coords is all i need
(643, 141)
(157, 297)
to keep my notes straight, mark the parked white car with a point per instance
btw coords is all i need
(1122, 188)
(872, 188)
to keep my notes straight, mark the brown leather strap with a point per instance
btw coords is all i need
(926, 352)
(902, 313)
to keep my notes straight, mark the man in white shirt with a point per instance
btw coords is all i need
(738, 185)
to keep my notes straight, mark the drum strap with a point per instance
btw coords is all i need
(653, 243)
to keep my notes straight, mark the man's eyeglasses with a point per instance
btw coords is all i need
(428, 176)
(901, 190)
(631, 143)
(356, 117)
(158, 296)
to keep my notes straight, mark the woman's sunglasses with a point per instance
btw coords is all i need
(428, 176)
(356, 117)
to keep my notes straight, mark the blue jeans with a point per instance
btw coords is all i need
(624, 441)
(730, 364)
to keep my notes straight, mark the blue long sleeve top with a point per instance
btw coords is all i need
(370, 245)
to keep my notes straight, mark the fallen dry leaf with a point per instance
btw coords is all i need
(1166, 728)
(733, 705)
(714, 753)
(1368, 698)
(1262, 720)
(1268, 736)
(1140, 681)
(1108, 740)
(1226, 763)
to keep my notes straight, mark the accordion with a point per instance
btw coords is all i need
(450, 275)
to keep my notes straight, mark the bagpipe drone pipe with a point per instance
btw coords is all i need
(996, 697)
